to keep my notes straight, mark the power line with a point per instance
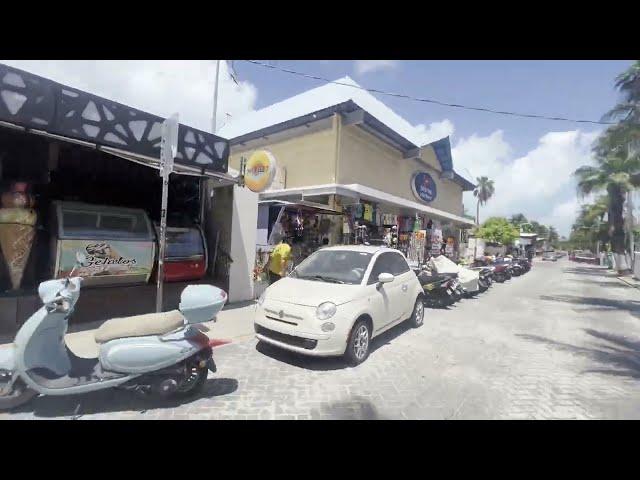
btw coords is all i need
(428, 100)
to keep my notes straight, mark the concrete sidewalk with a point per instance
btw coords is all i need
(234, 322)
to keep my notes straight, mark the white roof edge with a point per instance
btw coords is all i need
(319, 98)
(377, 195)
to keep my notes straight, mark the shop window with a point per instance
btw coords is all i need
(75, 222)
(184, 243)
(116, 222)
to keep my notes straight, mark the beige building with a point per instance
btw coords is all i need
(337, 145)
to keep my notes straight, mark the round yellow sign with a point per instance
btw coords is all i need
(260, 171)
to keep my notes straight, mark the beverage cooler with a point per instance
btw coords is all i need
(119, 243)
(185, 254)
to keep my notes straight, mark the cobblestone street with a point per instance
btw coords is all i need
(561, 342)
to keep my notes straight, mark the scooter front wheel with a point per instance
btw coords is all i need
(18, 396)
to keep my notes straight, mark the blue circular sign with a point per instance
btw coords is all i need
(424, 187)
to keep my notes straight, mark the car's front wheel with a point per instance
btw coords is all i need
(417, 318)
(359, 343)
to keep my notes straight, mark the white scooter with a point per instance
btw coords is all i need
(161, 353)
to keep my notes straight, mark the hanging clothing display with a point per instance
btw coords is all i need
(368, 212)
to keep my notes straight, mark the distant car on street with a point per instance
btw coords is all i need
(338, 299)
(550, 256)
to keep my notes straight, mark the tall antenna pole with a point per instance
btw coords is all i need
(215, 99)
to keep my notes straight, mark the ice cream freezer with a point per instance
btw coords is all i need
(185, 254)
(118, 243)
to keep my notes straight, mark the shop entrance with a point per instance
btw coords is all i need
(61, 171)
(51, 172)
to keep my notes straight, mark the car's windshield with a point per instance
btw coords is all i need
(335, 266)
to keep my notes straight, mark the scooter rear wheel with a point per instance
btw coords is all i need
(18, 396)
(193, 384)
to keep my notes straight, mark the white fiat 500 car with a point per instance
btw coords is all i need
(337, 300)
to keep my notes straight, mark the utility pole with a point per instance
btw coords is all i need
(215, 99)
(630, 222)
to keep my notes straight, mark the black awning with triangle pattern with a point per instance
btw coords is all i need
(38, 103)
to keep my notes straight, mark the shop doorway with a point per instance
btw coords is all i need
(62, 171)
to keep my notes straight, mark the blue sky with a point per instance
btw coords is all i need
(580, 89)
(531, 161)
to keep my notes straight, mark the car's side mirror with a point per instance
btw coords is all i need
(385, 278)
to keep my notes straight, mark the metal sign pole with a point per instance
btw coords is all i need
(168, 151)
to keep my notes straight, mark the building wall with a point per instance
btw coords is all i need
(366, 160)
(217, 226)
(243, 244)
(308, 159)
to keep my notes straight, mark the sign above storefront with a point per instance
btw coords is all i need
(424, 187)
(260, 171)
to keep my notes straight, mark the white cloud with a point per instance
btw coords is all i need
(161, 87)
(367, 66)
(476, 156)
(539, 184)
(435, 131)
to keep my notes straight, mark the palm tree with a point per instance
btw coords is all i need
(589, 223)
(616, 173)
(484, 191)
(626, 133)
(628, 84)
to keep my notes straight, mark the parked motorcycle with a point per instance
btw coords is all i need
(439, 288)
(485, 279)
(516, 269)
(161, 353)
(524, 263)
(501, 272)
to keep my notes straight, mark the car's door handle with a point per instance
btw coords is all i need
(404, 287)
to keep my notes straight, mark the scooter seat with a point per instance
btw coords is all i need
(139, 326)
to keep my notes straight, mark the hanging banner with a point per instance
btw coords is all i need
(260, 171)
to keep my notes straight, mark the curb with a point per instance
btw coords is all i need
(628, 283)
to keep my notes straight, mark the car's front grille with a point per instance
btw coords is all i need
(292, 340)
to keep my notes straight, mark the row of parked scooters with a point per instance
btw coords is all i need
(445, 282)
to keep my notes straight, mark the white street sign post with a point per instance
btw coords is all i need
(168, 151)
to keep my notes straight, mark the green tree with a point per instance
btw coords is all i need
(498, 230)
(553, 236)
(518, 219)
(541, 230)
(627, 111)
(615, 173)
(589, 227)
(483, 192)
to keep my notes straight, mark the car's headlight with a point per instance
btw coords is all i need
(325, 310)
(261, 299)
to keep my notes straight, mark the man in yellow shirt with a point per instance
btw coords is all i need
(280, 257)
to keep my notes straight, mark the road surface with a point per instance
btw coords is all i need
(561, 342)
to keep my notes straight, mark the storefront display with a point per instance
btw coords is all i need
(307, 226)
(417, 246)
(436, 240)
(119, 243)
(17, 230)
(450, 247)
